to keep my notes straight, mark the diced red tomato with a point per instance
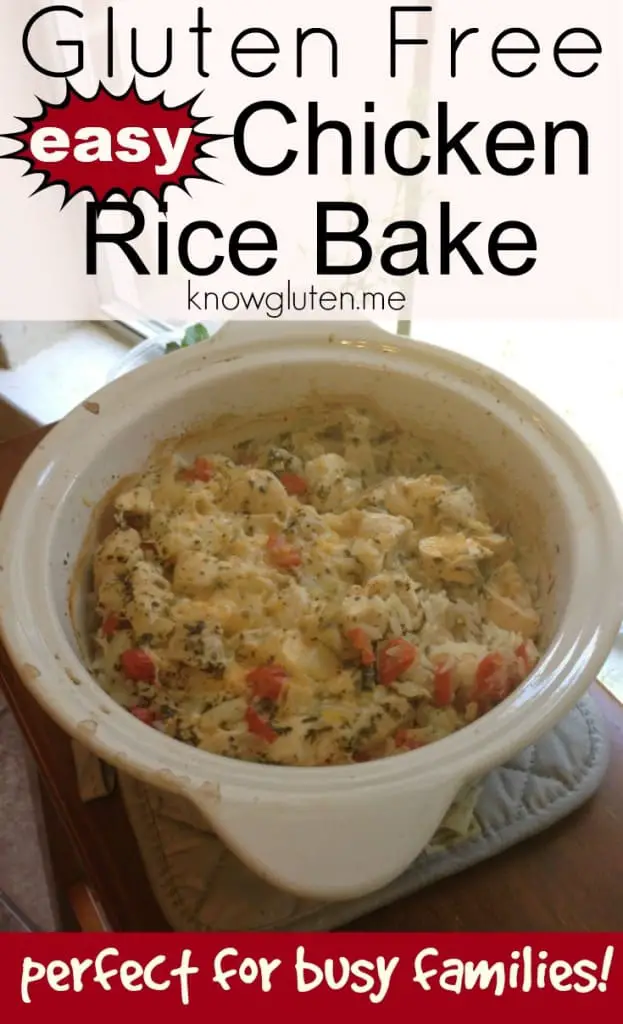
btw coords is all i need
(202, 469)
(267, 681)
(363, 644)
(281, 553)
(294, 484)
(442, 683)
(492, 681)
(138, 665)
(259, 726)
(145, 715)
(402, 739)
(395, 657)
(110, 625)
(489, 672)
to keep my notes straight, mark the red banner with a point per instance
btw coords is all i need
(375, 975)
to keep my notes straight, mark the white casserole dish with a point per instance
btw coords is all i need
(334, 832)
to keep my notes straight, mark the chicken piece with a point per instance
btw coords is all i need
(200, 481)
(224, 716)
(256, 645)
(288, 606)
(376, 535)
(225, 608)
(197, 644)
(306, 523)
(280, 460)
(118, 554)
(458, 505)
(400, 590)
(509, 603)
(250, 580)
(325, 470)
(224, 605)
(369, 554)
(112, 596)
(149, 608)
(413, 498)
(300, 698)
(501, 547)
(388, 601)
(257, 491)
(386, 528)
(250, 545)
(137, 501)
(508, 582)
(507, 614)
(195, 573)
(390, 584)
(343, 685)
(330, 484)
(301, 657)
(357, 448)
(212, 534)
(381, 526)
(330, 556)
(361, 611)
(385, 533)
(187, 610)
(452, 558)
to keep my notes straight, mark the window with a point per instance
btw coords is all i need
(133, 300)
(120, 299)
(576, 368)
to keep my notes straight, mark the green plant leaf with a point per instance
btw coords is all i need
(193, 334)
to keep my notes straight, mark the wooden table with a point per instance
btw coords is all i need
(570, 878)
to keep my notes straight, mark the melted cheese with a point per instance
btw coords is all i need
(305, 605)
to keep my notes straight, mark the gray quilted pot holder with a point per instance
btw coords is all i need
(201, 886)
